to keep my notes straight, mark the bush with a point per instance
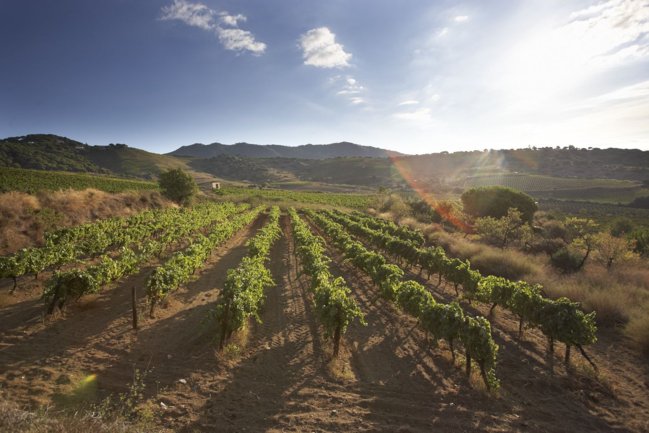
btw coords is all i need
(495, 202)
(566, 260)
(621, 226)
(396, 206)
(178, 185)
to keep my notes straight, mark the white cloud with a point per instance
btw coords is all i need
(231, 20)
(348, 92)
(240, 40)
(351, 81)
(408, 103)
(321, 50)
(357, 100)
(444, 31)
(198, 15)
(461, 18)
(192, 14)
(421, 117)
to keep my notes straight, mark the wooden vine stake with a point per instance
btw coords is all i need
(224, 331)
(133, 298)
(337, 335)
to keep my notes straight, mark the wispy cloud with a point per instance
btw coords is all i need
(420, 117)
(350, 88)
(444, 31)
(321, 50)
(198, 15)
(192, 14)
(408, 103)
(461, 18)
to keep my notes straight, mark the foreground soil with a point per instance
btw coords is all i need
(280, 378)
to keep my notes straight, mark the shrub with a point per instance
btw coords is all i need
(621, 226)
(566, 260)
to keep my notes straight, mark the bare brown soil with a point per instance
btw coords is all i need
(281, 381)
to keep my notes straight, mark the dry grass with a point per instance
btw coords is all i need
(615, 296)
(506, 263)
(638, 329)
(14, 419)
(24, 218)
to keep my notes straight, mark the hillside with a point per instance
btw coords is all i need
(307, 151)
(54, 153)
(30, 181)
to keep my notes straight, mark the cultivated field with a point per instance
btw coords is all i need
(530, 183)
(277, 291)
(18, 179)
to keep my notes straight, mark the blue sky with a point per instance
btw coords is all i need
(413, 76)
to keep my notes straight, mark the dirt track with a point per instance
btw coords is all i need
(282, 382)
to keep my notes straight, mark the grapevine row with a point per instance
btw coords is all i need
(67, 245)
(243, 291)
(335, 309)
(78, 282)
(443, 321)
(183, 264)
(356, 201)
(401, 232)
(559, 320)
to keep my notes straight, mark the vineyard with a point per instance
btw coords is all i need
(589, 208)
(18, 179)
(317, 320)
(354, 201)
(531, 183)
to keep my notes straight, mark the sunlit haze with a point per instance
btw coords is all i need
(412, 76)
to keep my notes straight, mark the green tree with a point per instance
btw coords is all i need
(500, 232)
(178, 185)
(610, 251)
(495, 202)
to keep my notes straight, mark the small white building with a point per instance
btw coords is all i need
(216, 185)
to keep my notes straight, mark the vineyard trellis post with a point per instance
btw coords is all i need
(226, 317)
(337, 333)
(133, 298)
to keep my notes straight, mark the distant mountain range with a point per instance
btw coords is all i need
(306, 151)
